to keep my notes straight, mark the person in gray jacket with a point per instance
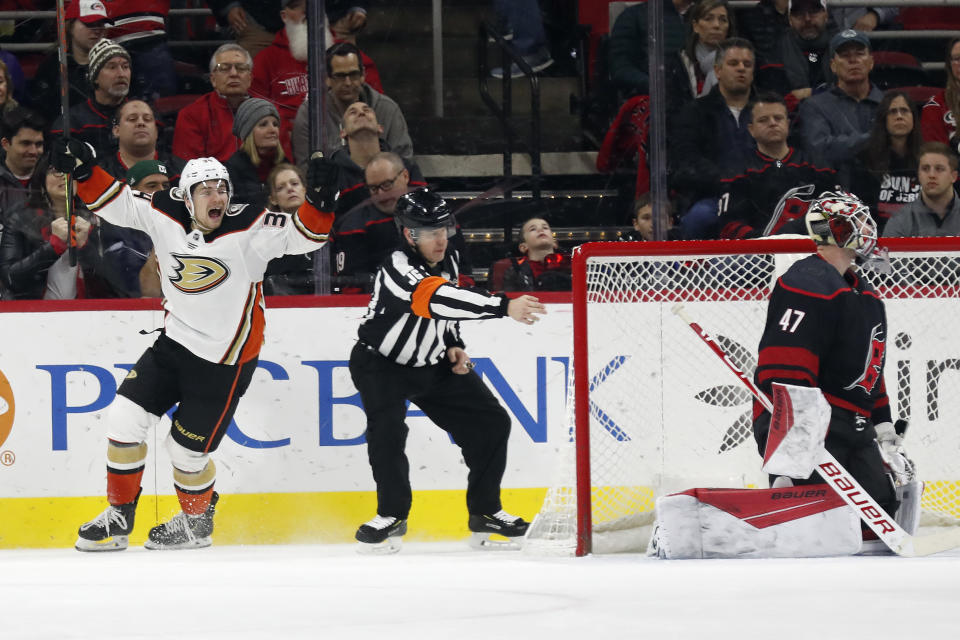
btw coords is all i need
(836, 122)
(937, 211)
(345, 86)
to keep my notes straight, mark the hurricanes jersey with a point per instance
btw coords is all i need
(826, 330)
(212, 284)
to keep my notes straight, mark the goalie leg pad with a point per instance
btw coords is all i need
(797, 522)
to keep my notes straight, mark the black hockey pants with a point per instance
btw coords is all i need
(461, 405)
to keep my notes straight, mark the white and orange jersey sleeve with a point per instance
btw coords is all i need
(281, 234)
(115, 202)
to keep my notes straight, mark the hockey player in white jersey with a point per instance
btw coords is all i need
(212, 255)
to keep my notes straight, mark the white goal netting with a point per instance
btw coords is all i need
(664, 414)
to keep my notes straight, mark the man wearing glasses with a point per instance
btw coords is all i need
(205, 127)
(345, 86)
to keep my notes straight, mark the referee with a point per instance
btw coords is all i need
(409, 349)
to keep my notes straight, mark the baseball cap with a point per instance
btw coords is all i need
(86, 11)
(806, 4)
(846, 37)
(145, 168)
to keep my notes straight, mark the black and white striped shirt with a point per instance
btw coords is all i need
(414, 313)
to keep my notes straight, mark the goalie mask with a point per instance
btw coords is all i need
(423, 209)
(841, 219)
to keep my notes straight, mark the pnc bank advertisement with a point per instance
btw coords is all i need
(298, 431)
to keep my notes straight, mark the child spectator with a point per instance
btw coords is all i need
(541, 267)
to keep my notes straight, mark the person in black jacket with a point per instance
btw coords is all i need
(689, 73)
(707, 140)
(33, 248)
(884, 173)
(748, 206)
(540, 265)
(257, 123)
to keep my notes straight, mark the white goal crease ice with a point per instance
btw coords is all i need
(651, 411)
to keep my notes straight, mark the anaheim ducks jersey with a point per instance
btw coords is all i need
(826, 330)
(213, 294)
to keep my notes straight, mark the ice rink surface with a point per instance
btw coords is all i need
(446, 590)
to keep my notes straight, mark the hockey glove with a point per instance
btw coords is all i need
(321, 183)
(74, 157)
(893, 453)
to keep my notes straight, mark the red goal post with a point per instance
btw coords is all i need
(651, 411)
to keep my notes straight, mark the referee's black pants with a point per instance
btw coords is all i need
(461, 405)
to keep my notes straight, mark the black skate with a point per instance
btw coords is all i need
(185, 531)
(501, 524)
(381, 535)
(110, 531)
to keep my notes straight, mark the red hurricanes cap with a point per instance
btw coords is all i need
(86, 11)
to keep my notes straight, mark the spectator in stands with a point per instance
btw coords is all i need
(629, 62)
(135, 130)
(364, 236)
(290, 274)
(34, 260)
(17, 81)
(361, 136)
(836, 122)
(710, 139)
(109, 74)
(641, 220)
(522, 20)
(765, 25)
(937, 211)
(689, 73)
(257, 123)
(7, 101)
(255, 23)
(280, 70)
(205, 127)
(863, 18)
(85, 24)
(804, 50)
(139, 27)
(149, 176)
(540, 265)
(884, 173)
(750, 199)
(21, 137)
(937, 118)
(345, 86)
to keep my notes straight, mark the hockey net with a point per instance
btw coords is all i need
(652, 411)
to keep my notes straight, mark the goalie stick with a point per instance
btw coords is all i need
(844, 484)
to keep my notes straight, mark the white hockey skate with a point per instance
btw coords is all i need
(381, 536)
(496, 531)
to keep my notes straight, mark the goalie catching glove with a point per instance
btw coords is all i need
(893, 453)
(74, 157)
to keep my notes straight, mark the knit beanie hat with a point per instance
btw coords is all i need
(145, 168)
(251, 111)
(100, 54)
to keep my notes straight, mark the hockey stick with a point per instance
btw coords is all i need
(65, 109)
(844, 484)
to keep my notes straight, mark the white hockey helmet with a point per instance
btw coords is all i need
(841, 219)
(200, 170)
